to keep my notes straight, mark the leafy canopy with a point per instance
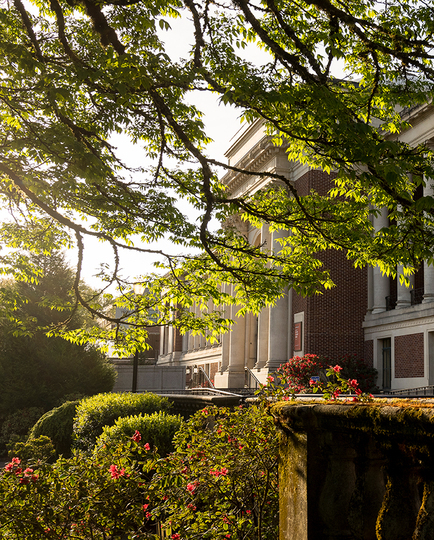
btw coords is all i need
(75, 73)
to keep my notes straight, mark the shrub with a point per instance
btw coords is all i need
(298, 371)
(34, 451)
(221, 482)
(104, 409)
(57, 425)
(97, 497)
(16, 426)
(157, 430)
(355, 368)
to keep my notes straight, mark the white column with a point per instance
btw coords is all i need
(185, 342)
(403, 292)
(233, 375)
(428, 270)
(380, 282)
(263, 334)
(237, 345)
(278, 321)
(278, 334)
(162, 332)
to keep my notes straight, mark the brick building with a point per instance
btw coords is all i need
(366, 314)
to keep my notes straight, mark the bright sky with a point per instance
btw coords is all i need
(222, 122)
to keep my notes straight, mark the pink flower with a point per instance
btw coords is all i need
(175, 536)
(136, 437)
(270, 378)
(14, 463)
(147, 447)
(191, 487)
(191, 506)
(337, 369)
(145, 506)
(115, 472)
(148, 515)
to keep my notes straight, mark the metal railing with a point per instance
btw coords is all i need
(416, 296)
(418, 391)
(250, 379)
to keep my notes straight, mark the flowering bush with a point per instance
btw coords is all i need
(295, 376)
(158, 429)
(337, 385)
(98, 497)
(221, 482)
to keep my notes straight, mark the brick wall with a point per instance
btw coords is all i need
(409, 357)
(213, 368)
(178, 340)
(333, 320)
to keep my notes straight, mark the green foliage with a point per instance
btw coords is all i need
(95, 412)
(298, 371)
(57, 424)
(337, 87)
(16, 426)
(41, 371)
(312, 373)
(34, 451)
(222, 480)
(92, 496)
(37, 371)
(156, 429)
(338, 386)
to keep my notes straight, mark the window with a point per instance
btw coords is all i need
(386, 353)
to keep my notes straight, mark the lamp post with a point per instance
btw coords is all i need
(138, 289)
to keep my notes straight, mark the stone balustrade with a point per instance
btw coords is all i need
(356, 471)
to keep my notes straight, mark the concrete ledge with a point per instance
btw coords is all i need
(356, 471)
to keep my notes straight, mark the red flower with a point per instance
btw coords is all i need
(115, 472)
(175, 536)
(145, 506)
(136, 437)
(147, 447)
(337, 369)
(191, 487)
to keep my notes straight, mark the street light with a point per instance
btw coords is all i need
(138, 289)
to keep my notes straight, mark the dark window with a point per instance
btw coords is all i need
(387, 362)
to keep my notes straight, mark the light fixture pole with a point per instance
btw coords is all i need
(138, 289)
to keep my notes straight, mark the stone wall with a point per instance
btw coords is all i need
(150, 378)
(357, 471)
